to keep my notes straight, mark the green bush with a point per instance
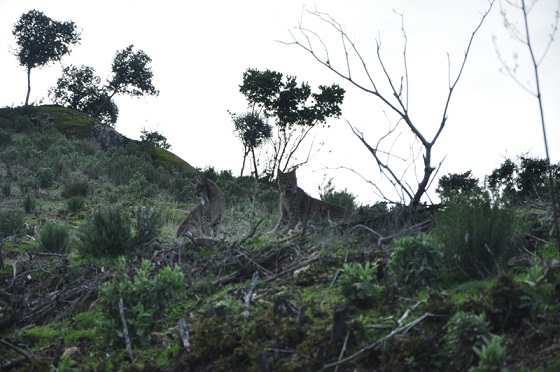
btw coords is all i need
(537, 290)
(76, 188)
(492, 355)
(44, 177)
(75, 203)
(29, 203)
(54, 237)
(11, 222)
(465, 331)
(107, 232)
(358, 283)
(145, 297)
(417, 260)
(479, 235)
(6, 188)
(149, 222)
(341, 197)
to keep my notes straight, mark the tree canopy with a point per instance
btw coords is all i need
(42, 40)
(293, 108)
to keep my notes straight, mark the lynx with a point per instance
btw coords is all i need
(298, 208)
(205, 219)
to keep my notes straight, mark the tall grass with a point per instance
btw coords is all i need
(480, 233)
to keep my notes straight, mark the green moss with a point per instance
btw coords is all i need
(68, 121)
(170, 158)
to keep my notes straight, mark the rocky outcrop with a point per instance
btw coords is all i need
(108, 137)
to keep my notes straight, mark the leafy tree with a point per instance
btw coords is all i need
(452, 186)
(294, 109)
(253, 131)
(80, 89)
(132, 75)
(527, 179)
(42, 40)
(154, 139)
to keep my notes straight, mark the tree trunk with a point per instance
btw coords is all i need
(256, 170)
(28, 85)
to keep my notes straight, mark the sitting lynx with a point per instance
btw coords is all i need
(206, 217)
(296, 207)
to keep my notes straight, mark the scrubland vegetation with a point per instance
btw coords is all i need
(92, 277)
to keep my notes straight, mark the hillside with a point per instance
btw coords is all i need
(92, 277)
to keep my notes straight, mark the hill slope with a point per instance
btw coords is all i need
(88, 247)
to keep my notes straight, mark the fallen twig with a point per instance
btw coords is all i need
(250, 294)
(396, 331)
(125, 330)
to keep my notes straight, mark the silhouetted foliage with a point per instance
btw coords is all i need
(80, 89)
(294, 109)
(132, 76)
(155, 139)
(42, 40)
(452, 186)
(528, 178)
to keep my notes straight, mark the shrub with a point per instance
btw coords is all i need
(6, 188)
(44, 177)
(479, 234)
(464, 331)
(76, 188)
(29, 203)
(149, 222)
(107, 232)
(11, 222)
(357, 282)
(342, 197)
(417, 260)
(492, 355)
(537, 291)
(145, 297)
(75, 203)
(54, 237)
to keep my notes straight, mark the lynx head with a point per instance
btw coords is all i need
(202, 190)
(287, 182)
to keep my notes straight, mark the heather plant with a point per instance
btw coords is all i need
(479, 235)
(149, 222)
(54, 237)
(75, 203)
(44, 177)
(11, 222)
(417, 260)
(339, 197)
(106, 232)
(146, 296)
(76, 188)
(29, 203)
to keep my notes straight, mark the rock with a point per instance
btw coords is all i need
(108, 137)
(73, 353)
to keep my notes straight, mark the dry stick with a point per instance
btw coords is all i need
(125, 330)
(27, 356)
(402, 329)
(250, 294)
(184, 333)
(343, 350)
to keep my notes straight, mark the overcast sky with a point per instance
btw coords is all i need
(201, 49)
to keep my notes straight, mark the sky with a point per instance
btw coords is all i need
(199, 51)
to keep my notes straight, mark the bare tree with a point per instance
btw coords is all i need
(393, 93)
(523, 35)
